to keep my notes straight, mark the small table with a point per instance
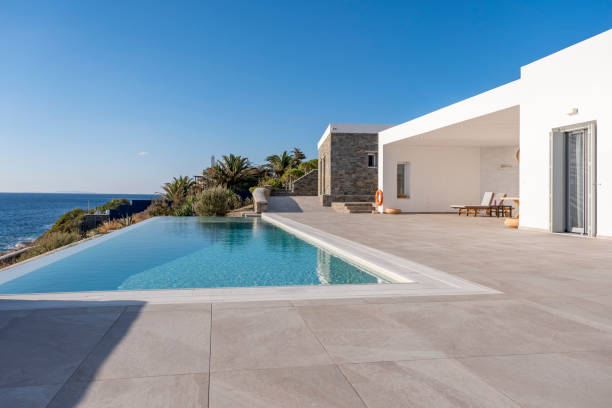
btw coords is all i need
(517, 202)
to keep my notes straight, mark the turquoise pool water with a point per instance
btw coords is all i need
(186, 252)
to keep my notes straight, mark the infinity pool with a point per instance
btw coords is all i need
(185, 252)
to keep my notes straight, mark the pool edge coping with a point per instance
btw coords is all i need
(449, 285)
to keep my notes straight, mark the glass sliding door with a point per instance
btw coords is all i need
(576, 182)
(573, 179)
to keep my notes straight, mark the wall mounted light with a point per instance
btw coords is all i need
(573, 111)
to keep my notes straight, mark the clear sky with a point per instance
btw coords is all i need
(119, 96)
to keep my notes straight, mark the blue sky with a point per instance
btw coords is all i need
(86, 86)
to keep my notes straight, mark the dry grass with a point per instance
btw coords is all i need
(141, 216)
(110, 226)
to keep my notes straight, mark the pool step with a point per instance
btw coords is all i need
(353, 208)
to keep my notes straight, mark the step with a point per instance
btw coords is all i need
(353, 207)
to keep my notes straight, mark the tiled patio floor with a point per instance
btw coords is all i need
(545, 342)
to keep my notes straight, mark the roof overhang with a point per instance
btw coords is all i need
(490, 118)
(359, 128)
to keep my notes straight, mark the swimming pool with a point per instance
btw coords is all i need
(185, 252)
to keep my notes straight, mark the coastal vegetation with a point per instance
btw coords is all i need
(224, 187)
(69, 229)
(220, 190)
(215, 201)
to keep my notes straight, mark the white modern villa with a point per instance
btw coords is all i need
(559, 114)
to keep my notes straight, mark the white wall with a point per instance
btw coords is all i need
(577, 77)
(440, 176)
(499, 170)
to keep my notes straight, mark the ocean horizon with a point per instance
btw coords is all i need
(26, 216)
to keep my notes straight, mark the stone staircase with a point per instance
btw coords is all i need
(353, 208)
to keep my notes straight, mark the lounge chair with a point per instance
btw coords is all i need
(491, 203)
(485, 204)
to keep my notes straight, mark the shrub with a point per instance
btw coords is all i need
(309, 165)
(216, 201)
(291, 175)
(69, 222)
(49, 242)
(159, 207)
(112, 205)
(273, 182)
(186, 209)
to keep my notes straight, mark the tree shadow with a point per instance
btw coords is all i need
(51, 350)
(284, 204)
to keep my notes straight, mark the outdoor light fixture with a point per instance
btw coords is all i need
(574, 111)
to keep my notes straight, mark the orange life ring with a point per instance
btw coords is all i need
(379, 197)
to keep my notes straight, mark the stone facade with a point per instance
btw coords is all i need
(344, 173)
(307, 184)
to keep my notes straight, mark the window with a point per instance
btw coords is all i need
(403, 180)
(372, 160)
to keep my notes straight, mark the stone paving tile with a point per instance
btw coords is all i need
(581, 379)
(424, 383)
(319, 386)
(475, 328)
(362, 333)
(46, 347)
(184, 391)
(151, 344)
(155, 307)
(323, 302)
(252, 304)
(588, 311)
(480, 249)
(262, 338)
(34, 396)
(7, 316)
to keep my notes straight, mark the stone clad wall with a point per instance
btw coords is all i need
(351, 178)
(307, 185)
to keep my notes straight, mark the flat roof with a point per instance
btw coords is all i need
(495, 100)
(363, 128)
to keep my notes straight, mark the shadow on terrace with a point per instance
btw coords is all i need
(52, 351)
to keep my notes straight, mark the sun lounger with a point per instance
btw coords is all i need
(492, 203)
(485, 204)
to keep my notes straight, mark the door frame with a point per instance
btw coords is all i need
(558, 177)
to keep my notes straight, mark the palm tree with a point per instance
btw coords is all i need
(297, 156)
(178, 189)
(279, 164)
(309, 165)
(234, 172)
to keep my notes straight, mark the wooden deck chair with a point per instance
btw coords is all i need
(485, 205)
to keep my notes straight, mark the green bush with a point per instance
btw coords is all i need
(292, 175)
(273, 182)
(186, 209)
(309, 165)
(49, 242)
(216, 201)
(112, 205)
(159, 207)
(69, 222)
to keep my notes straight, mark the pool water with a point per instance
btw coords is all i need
(188, 252)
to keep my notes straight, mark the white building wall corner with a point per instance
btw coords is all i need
(566, 88)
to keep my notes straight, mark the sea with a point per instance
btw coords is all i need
(25, 216)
